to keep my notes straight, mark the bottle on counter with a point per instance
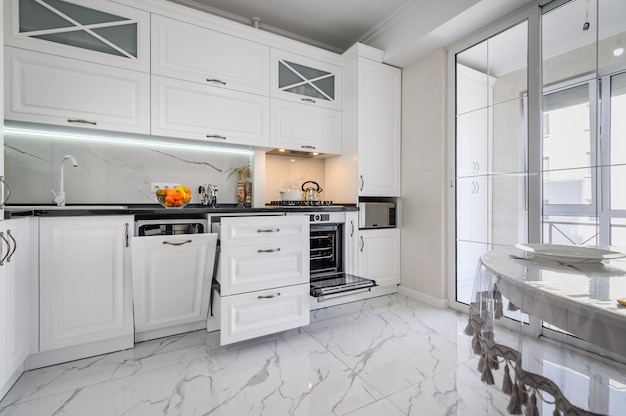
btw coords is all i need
(248, 188)
(241, 198)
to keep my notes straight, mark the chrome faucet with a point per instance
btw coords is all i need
(59, 197)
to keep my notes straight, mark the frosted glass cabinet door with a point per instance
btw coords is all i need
(305, 80)
(92, 30)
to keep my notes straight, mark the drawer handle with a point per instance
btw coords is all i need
(308, 100)
(217, 81)
(268, 230)
(307, 147)
(177, 244)
(269, 250)
(80, 120)
(269, 296)
(215, 136)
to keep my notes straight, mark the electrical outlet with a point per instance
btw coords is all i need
(155, 186)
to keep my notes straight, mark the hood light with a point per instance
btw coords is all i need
(618, 52)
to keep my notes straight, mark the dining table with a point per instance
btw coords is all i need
(581, 291)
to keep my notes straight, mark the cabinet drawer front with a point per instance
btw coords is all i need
(188, 110)
(303, 128)
(244, 269)
(185, 51)
(263, 230)
(264, 312)
(49, 89)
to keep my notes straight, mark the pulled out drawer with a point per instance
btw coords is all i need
(263, 312)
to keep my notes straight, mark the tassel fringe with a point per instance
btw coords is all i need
(515, 404)
(469, 331)
(507, 383)
(476, 344)
(531, 409)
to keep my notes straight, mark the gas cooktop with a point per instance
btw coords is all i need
(302, 203)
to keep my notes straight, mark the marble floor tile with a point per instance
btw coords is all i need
(389, 356)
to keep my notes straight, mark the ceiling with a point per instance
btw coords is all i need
(405, 29)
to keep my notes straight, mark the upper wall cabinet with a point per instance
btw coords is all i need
(185, 51)
(304, 80)
(91, 30)
(49, 89)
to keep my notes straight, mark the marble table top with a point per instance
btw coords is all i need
(578, 298)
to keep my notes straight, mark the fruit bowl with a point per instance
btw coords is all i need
(176, 198)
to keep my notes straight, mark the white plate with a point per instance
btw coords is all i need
(570, 254)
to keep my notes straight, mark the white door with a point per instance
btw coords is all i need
(172, 279)
(379, 255)
(85, 290)
(16, 271)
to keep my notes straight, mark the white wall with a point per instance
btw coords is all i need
(423, 202)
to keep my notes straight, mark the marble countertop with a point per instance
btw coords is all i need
(578, 298)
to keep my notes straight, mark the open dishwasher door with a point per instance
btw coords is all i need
(172, 272)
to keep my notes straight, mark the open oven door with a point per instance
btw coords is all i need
(339, 284)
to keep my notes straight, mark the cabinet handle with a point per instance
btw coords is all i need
(269, 250)
(269, 296)
(362, 182)
(362, 244)
(177, 244)
(215, 136)
(80, 120)
(14, 245)
(217, 81)
(126, 233)
(308, 147)
(351, 228)
(5, 197)
(8, 245)
(268, 230)
(309, 100)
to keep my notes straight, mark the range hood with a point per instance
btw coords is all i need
(295, 153)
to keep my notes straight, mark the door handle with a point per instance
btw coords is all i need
(5, 198)
(268, 296)
(82, 121)
(351, 228)
(8, 245)
(14, 245)
(126, 233)
(362, 244)
(269, 250)
(362, 182)
(177, 244)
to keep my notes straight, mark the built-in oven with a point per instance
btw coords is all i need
(328, 277)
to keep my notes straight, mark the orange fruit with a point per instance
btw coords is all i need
(178, 196)
(178, 202)
(169, 199)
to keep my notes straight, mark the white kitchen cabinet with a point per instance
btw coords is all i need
(305, 80)
(379, 255)
(371, 140)
(98, 31)
(171, 282)
(85, 284)
(201, 112)
(263, 272)
(14, 300)
(254, 314)
(351, 243)
(49, 89)
(193, 53)
(306, 129)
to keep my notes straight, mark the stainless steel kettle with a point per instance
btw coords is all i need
(311, 193)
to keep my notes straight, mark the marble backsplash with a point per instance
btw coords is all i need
(116, 171)
(112, 173)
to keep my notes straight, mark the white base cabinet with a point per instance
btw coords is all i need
(171, 282)
(264, 273)
(379, 255)
(14, 300)
(85, 286)
(48, 89)
(263, 312)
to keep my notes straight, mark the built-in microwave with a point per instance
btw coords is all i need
(377, 214)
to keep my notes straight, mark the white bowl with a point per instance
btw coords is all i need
(290, 195)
